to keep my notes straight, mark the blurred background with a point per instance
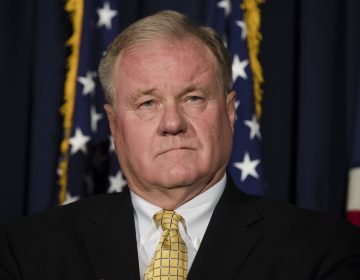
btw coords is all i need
(310, 55)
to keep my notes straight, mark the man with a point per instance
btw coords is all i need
(171, 114)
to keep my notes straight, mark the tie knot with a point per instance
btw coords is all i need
(168, 219)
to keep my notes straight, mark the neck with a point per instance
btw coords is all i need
(172, 198)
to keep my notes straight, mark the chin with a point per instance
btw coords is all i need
(180, 177)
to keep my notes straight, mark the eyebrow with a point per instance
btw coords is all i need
(140, 93)
(189, 88)
(193, 87)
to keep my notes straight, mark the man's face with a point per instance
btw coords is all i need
(171, 121)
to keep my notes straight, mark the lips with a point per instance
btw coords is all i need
(174, 149)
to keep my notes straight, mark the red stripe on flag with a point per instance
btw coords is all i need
(353, 217)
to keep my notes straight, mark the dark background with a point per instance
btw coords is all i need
(310, 58)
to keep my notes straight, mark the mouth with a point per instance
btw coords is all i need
(175, 149)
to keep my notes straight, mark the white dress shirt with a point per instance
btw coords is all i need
(196, 213)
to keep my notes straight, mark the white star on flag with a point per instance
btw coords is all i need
(105, 15)
(247, 167)
(238, 68)
(95, 117)
(70, 199)
(242, 25)
(78, 142)
(226, 5)
(117, 183)
(88, 82)
(254, 127)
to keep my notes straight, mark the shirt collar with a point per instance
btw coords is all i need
(196, 212)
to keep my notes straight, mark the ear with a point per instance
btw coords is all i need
(230, 106)
(111, 118)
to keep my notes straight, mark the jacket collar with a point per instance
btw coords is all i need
(110, 239)
(229, 238)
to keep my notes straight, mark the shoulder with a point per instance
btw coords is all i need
(306, 231)
(332, 244)
(290, 237)
(278, 218)
(282, 213)
(44, 243)
(67, 217)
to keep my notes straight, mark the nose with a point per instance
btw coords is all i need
(172, 120)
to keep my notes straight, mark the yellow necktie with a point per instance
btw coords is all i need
(170, 259)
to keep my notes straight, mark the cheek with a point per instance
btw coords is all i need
(207, 131)
(217, 133)
(217, 119)
(133, 139)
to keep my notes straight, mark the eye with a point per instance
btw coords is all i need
(194, 98)
(147, 104)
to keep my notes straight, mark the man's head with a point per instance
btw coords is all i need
(171, 113)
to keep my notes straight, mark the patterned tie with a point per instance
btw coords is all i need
(170, 259)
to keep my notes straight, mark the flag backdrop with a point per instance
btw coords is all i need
(310, 57)
(88, 163)
(353, 195)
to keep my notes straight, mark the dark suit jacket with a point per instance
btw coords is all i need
(248, 238)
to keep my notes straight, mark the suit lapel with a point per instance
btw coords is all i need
(110, 239)
(229, 238)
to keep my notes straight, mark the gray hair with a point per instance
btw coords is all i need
(164, 25)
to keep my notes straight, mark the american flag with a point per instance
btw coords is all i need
(89, 165)
(92, 166)
(227, 18)
(353, 195)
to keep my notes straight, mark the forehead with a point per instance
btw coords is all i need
(166, 48)
(165, 58)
